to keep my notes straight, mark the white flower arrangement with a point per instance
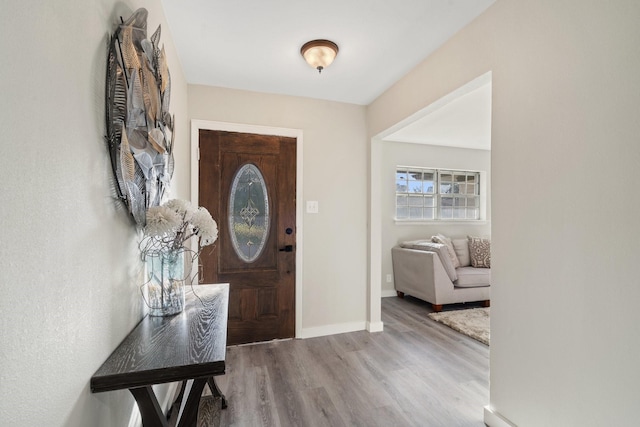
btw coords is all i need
(170, 225)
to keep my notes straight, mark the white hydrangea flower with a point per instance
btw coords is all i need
(184, 208)
(161, 220)
(205, 226)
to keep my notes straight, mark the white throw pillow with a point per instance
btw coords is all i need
(461, 246)
(439, 238)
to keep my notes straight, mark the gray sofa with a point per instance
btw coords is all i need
(425, 270)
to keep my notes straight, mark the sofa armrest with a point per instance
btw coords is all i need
(420, 274)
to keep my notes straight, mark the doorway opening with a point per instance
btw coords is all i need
(436, 130)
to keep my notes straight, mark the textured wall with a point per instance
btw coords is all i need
(69, 273)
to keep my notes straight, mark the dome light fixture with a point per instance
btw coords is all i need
(319, 53)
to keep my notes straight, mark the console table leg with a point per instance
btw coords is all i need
(174, 411)
(216, 391)
(189, 416)
(149, 408)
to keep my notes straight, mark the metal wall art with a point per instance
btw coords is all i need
(140, 130)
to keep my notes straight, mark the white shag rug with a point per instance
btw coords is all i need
(472, 322)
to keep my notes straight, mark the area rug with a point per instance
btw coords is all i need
(473, 322)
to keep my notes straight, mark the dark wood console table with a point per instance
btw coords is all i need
(188, 346)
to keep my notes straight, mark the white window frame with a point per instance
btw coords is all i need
(471, 202)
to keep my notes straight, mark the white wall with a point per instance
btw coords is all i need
(69, 273)
(405, 154)
(566, 96)
(334, 174)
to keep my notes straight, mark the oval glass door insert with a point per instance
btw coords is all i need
(249, 213)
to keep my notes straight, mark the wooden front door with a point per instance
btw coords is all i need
(248, 183)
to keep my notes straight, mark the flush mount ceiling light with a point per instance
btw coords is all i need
(319, 53)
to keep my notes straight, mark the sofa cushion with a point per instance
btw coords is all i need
(470, 277)
(480, 252)
(439, 238)
(461, 246)
(439, 248)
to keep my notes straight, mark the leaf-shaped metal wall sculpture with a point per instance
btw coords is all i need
(129, 52)
(126, 159)
(163, 70)
(140, 129)
(151, 94)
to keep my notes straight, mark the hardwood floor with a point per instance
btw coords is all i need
(415, 373)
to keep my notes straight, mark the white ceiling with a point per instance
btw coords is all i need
(255, 44)
(460, 119)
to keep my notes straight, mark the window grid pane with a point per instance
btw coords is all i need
(416, 201)
(401, 181)
(437, 194)
(415, 213)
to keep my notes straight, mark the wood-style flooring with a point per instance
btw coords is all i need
(415, 373)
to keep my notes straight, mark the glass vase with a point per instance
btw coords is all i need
(165, 282)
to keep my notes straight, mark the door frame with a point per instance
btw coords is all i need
(196, 126)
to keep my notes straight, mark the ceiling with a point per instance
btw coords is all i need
(460, 119)
(255, 44)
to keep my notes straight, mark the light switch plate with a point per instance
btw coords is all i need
(312, 206)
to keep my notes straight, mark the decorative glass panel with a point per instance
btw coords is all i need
(249, 213)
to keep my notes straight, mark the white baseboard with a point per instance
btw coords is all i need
(340, 328)
(375, 326)
(389, 293)
(494, 419)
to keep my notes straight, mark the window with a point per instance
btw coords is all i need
(437, 194)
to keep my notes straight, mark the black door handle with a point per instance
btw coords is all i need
(287, 248)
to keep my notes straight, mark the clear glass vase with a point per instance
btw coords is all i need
(165, 282)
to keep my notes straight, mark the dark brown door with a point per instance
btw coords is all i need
(248, 183)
